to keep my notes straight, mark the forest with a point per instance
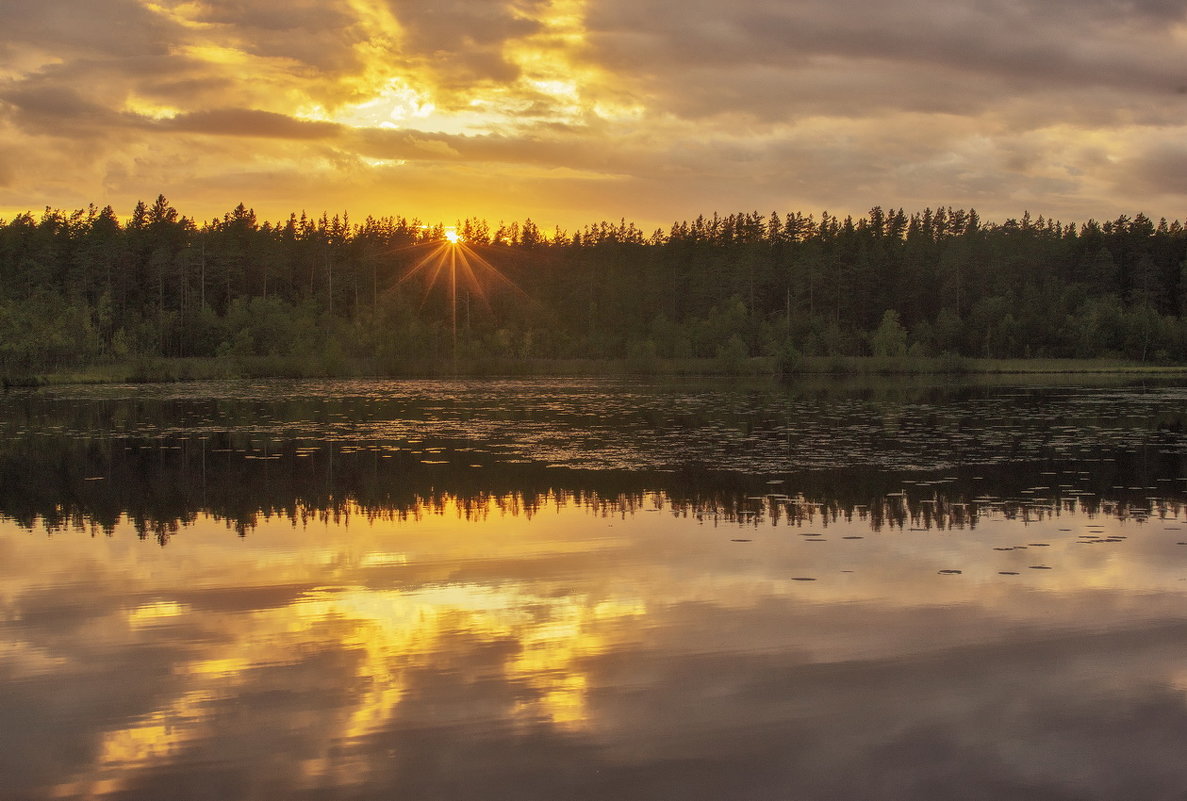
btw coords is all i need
(87, 287)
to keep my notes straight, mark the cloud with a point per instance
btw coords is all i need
(957, 54)
(306, 32)
(640, 110)
(250, 123)
(438, 675)
(53, 103)
(466, 37)
(8, 159)
(72, 29)
(1156, 166)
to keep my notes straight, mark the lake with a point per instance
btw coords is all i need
(594, 589)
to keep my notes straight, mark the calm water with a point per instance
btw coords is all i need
(593, 590)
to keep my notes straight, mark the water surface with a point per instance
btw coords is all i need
(593, 589)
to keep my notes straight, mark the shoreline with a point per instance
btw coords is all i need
(166, 370)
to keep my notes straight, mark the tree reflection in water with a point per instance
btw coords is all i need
(438, 617)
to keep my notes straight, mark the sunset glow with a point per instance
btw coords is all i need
(573, 111)
(449, 265)
(565, 399)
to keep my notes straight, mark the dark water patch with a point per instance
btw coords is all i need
(609, 424)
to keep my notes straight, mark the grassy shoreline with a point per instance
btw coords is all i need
(161, 370)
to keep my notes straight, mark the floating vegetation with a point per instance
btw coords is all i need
(751, 458)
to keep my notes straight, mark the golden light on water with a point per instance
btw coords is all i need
(335, 640)
(386, 638)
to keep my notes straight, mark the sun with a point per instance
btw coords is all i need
(450, 259)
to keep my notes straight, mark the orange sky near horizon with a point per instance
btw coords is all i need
(573, 111)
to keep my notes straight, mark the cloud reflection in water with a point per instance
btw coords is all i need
(638, 655)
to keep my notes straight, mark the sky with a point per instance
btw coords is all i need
(573, 111)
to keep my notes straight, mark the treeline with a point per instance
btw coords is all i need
(85, 286)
